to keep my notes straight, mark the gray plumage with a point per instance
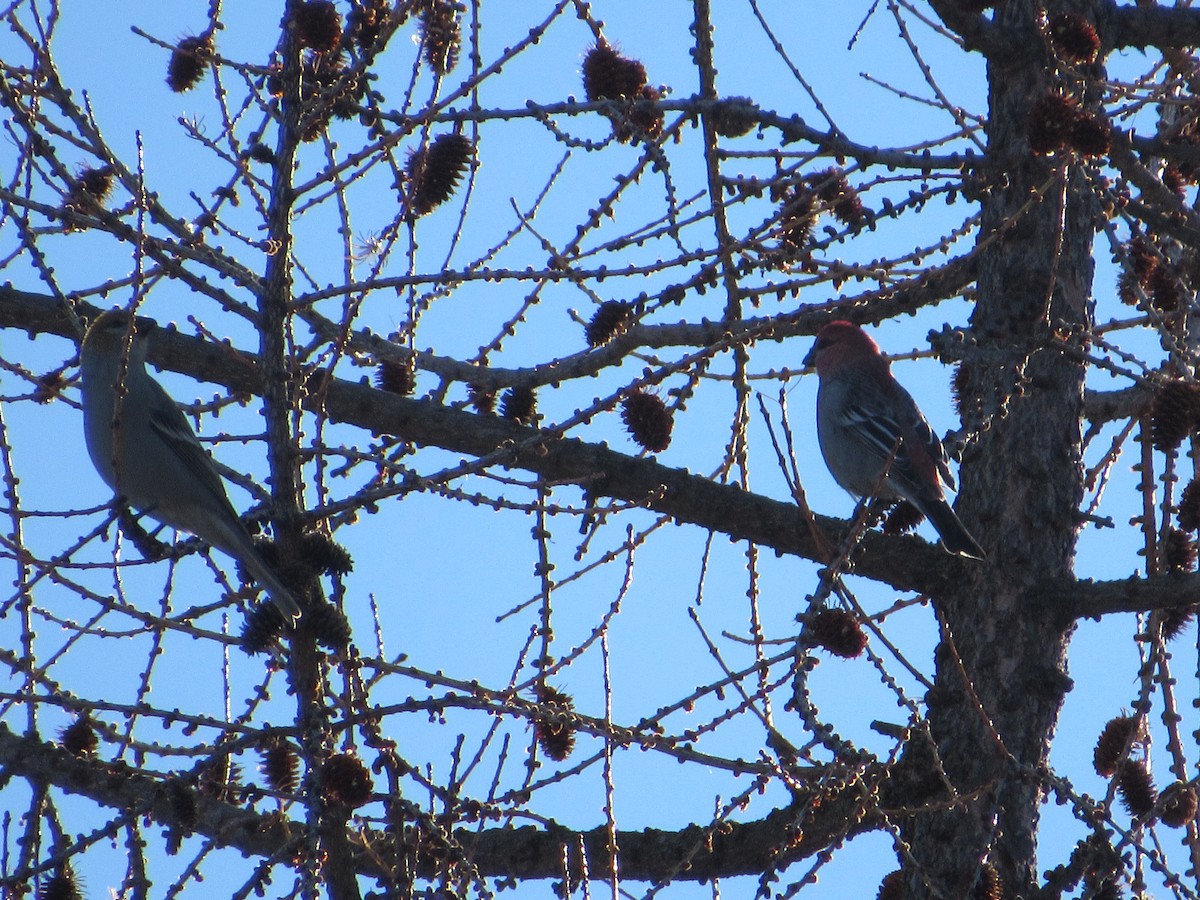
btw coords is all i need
(154, 460)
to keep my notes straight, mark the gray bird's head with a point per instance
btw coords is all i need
(111, 329)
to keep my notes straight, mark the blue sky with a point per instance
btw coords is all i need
(443, 572)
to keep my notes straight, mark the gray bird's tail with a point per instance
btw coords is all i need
(234, 540)
(279, 594)
(955, 537)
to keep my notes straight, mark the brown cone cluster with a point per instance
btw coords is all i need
(838, 632)
(1136, 787)
(1091, 135)
(648, 420)
(1176, 620)
(189, 59)
(261, 153)
(1057, 123)
(555, 732)
(262, 627)
(344, 779)
(482, 399)
(325, 556)
(1178, 805)
(435, 170)
(1186, 133)
(734, 117)
(1141, 263)
(644, 119)
(520, 405)
(607, 75)
(1073, 38)
(1146, 268)
(318, 25)
(802, 202)
(365, 22)
(1189, 506)
(1118, 736)
(610, 319)
(1173, 178)
(441, 33)
(1050, 121)
(280, 766)
(79, 738)
(90, 189)
(395, 377)
(49, 386)
(1166, 293)
(797, 217)
(1179, 551)
(838, 196)
(329, 626)
(218, 776)
(328, 90)
(62, 885)
(987, 885)
(1173, 414)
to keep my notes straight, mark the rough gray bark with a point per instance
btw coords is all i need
(1001, 666)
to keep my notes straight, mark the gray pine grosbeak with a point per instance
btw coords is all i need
(145, 450)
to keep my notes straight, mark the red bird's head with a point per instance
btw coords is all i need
(837, 341)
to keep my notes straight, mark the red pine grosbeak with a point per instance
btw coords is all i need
(864, 416)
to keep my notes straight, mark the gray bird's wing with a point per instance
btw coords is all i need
(933, 446)
(169, 424)
(882, 432)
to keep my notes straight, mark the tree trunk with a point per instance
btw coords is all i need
(1001, 664)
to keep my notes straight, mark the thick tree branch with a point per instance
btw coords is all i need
(1109, 406)
(814, 821)
(1125, 25)
(904, 562)
(1120, 26)
(170, 802)
(1093, 599)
